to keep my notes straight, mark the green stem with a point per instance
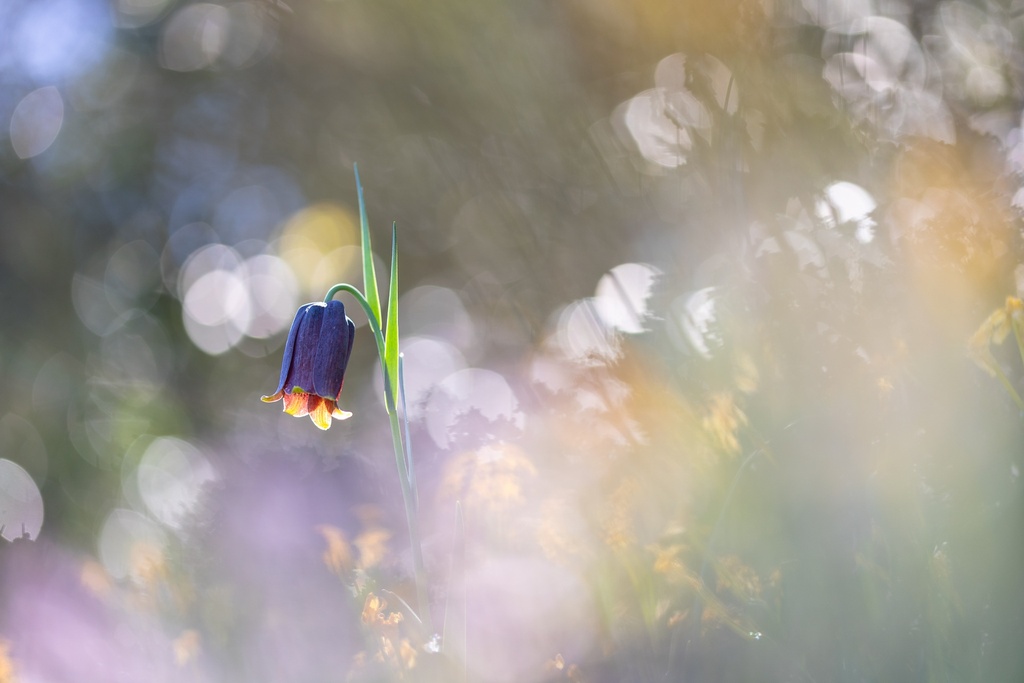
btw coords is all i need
(407, 440)
(1009, 387)
(374, 327)
(408, 493)
(1016, 323)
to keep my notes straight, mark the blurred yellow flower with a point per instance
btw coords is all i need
(373, 546)
(147, 562)
(667, 562)
(95, 578)
(737, 578)
(884, 387)
(618, 522)
(407, 653)
(186, 647)
(6, 665)
(489, 479)
(561, 531)
(746, 375)
(338, 555)
(994, 330)
(383, 629)
(373, 612)
(371, 608)
(722, 422)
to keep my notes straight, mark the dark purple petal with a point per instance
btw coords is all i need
(351, 339)
(304, 354)
(336, 335)
(289, 347)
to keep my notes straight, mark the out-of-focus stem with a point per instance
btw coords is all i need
(1009, 388)
(404, 478)
(370, 316)
(1016, 322)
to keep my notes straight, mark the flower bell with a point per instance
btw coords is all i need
(315, 357)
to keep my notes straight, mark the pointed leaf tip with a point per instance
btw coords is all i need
(369, 275)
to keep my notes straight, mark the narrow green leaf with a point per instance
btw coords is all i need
(391, 332)
(407, 440)
(369, 276)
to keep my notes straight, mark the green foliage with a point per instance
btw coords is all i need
(391, 350)
(366, 249)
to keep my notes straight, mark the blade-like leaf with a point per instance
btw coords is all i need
(409, 463)
(453, 641)
(369, 276)
(391, 332)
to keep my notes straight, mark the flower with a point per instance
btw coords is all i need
(315, 356)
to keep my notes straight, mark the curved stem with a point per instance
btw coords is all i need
(374, 327)
(404, 474)
(370, 315)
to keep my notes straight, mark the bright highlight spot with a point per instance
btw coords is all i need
(170, 478)
(320, 245)
(194, 37)
(695, 314)
(878, 68)
(427, 362)
(273, 290)
(131, 546)
(848, 203)
(225, 298)
(663, 122)
(472, 390)
(57, 39)
(21, 504)
(583, 336)
(217, 311)
(622, 296)
(659, 137)
(36, 122)
(202, 35)
(437, 312)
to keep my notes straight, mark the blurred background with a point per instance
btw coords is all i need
(687, 291)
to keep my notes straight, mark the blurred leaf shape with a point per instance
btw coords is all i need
(21, 503)
(36, 121)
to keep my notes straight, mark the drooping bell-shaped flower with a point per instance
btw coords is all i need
(315, 357)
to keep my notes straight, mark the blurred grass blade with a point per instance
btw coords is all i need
(391, 333)
(1015, 309)
(453, 641)
(401, 601)
(405, 432)
(369, 276)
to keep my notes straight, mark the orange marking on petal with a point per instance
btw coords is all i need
(296, 404)
(320, 411)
